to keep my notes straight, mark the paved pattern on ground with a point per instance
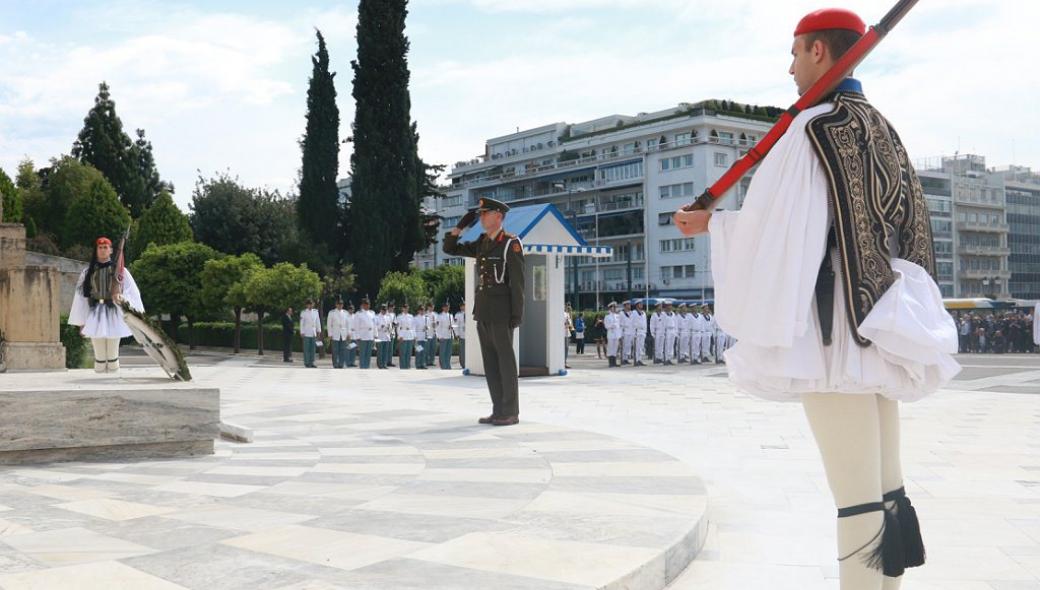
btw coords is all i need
(971, 459)
(333, 496)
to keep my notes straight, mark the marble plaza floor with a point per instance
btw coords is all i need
(381, 479)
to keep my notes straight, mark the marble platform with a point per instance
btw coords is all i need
(78, 415)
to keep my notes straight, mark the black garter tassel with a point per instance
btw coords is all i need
(887, 555)
(913, 544)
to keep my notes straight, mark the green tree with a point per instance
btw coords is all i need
(170, 279)
(48, 203)
(224, 286)
(97, 212)
(337, 284)
(129, 166)
(276, 288)
(384, 206)
(235, 219)
(31, 191)
(445, 283)
(10, 200)
(401, 287)
(162, 223)
(317, 207)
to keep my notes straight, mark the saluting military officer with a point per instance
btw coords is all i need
(499, 305)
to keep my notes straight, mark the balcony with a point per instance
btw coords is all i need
(974, 273)
(983, 250)
(974, 202)
(983, 227)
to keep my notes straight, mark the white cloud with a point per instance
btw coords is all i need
(959, 74)
(218, 91)
(211, 91)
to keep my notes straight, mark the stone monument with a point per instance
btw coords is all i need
(30, 307)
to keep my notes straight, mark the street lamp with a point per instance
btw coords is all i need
(560, 186)
(593, 209)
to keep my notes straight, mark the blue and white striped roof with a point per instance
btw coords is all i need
(593, 251)
(547, 229)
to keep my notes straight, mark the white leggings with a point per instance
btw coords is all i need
(858, 438)
(106, 354)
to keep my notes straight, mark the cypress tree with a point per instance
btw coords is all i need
(128, 166)
(317, 205)
(384, 205)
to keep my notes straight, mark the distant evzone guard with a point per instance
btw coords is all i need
(499, 305)
(96, 305)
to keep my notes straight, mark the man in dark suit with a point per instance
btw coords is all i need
(499, 305)
(288, 327)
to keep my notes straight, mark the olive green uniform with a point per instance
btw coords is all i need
(498, 310)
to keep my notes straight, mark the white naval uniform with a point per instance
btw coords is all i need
(459, 325)
(657, 331)
(442, 327)
(310, 323)
(364, 325)
(697, 352)
(628, 334)
(707, 333)
(336, 324)
(685, 322)
(639, 320)
(670, 324)
(612, 322)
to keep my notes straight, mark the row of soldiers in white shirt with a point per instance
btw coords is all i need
(686, 336)
(426, 335)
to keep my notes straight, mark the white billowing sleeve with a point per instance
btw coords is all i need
(765, 258)
(80, 305)
(130, 291)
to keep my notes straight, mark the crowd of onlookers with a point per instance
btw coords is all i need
(996, 332)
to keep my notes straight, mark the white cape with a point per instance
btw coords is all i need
(765, 259)
(103, 321)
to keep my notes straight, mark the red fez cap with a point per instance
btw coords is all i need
(830, 18)
(104, 240)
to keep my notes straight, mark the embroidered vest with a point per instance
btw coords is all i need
(878, 208)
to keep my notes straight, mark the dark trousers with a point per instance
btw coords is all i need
(365, 352)
(287, 345)
(462, 352)
(339, 353)
(406, 353)
(445, 353)
(579, 347)
(496, 348)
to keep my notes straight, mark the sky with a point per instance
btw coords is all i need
(221, 85)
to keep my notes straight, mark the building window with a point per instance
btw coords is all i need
(676, 162)
(672, 191)
(678, 245)
(721, 159)
(664, 219)
(682, 139)
(622, 172)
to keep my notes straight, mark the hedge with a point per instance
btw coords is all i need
(74, 342)
(222, 335)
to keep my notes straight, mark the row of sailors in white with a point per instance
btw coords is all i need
(368, 325)
(688, 335)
